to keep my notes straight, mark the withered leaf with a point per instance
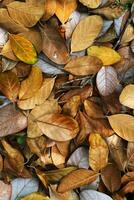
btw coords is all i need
(128, 34)
(83, 66)
(25, 14)
(41, 175)
(76, 179)
(54, 45)
(130, 156)
(5, 191)
(128, 188)
(35, 196)
(92, 194)
(9, 85)
(11, 120)
(58, 127)
(57, 158)
(1, 163)
(91, 3)
(123, 125)
(98, 152)
(50, 9)
(126, 178)
(86, 32)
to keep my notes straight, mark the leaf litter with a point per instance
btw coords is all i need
(66, 99)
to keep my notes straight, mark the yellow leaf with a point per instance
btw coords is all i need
(91, 3)
(128, 34)
(64, 9)
(123, 125)
(23, 49)
(35, 196)
(31, 85)
(86, 32)
(127, 96)
(50, 9)
(24, 13)
(9, 85)
(107, 55)
(98, 152)
(76, 179)
(41, 95)
(8, 52)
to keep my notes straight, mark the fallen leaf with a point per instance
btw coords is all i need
(31, 85)
(127, 96)
(92, 195)
(107, 80)
(111, 177)
(5, 191)
(128, 188)
(91, 3)
(132, 46)
(23, 49)
(128, 34)
(107, 55)
(123, 125)
(11, 120)
(22, 70)
(58, 127)
(9, 85)
(35, 196)
(57, 158)
(54, 45)
(126, 178)
(50, 9)
(3, 36)
(1, 163)
(86, 32)
(76, 179)
(22, 187)
(63, 147)
(98, 152)
(130, 155)
(64, 9)
(8, 64)
(30, 17)
(83, 66)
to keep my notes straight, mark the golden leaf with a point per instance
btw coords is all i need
(86, 32)
(57, 158)
(98, 152)
(107, 55)
(1, 163)
(128, 34)
(123, 125)
(76, 179)
(31, 85)
(35, 196)
(8, 52)
(9, 85)
(64, 9)
(50, 9)
(23, 49)
(91, 3)
(127, 96)
(83, 66)
(24, 13)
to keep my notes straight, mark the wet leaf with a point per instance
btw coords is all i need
(76, 179)
(31, 85)
(5, 191)
(107, 55)
(123, 125)
(127, 96)
(98, 152)
(86, 32)
(23, 49)
(91, 3)
(9, 85)
(92, 194)
(107, 80)
(35, 196)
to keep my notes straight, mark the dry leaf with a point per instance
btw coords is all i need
(76, 179)
(8, 64)
(1, 163)
(126, 178)
(41, 175)
(98, 152)
(107, 80)
(58, 127)
(128, 34)
(9, 85)
(91, 3)
(50, 9)
(8, 52)
(127, 96)
(35, 196)
(123, 125)
(3, 36)
(57, 158)
(11, 120)
(107, 55)
(31, 85)
(86, 32)
(130, 156)
(54, 45)
(111, 177)
(92, 195)
(83, 66)
(26, 14)
(23, 49)
(5, 191)
(41, 95)
(64, 9)
(128, 188)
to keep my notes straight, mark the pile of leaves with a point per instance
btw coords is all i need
(66, 99)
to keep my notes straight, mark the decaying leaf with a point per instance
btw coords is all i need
(86, 32)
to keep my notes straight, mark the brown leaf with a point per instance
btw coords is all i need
(128, 34)
(83, 66)
(57, 158)
(64, 9)
(111, 177)
(54, 46)
(1, 163)
(126, 178)
(11, 120)
(41, 175)
(26, 14)
(130, 156)
(32, 84)
(8, 52)
(91, 3)
(9, 85)
(128, 188)
(86, 32)
(98, 152)
(63, 147)
(22, 70)
(123, 125)
(58, 127)
(5, 191)
(15, 158)
(77, 179)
